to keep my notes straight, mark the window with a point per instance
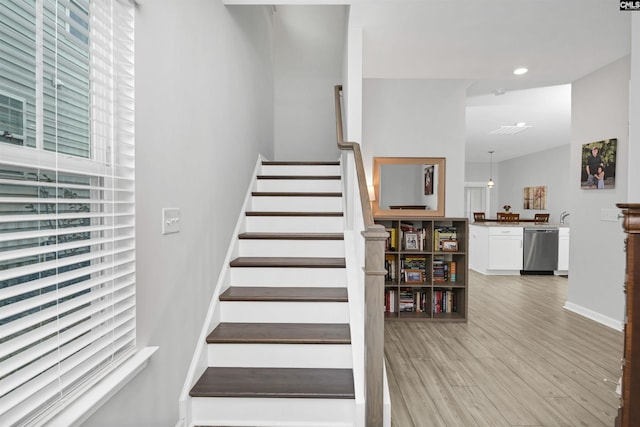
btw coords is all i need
(11, 120)
(67, 248)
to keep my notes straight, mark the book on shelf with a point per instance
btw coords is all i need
(413, 263)
(390, 301)
(391, 243)
(390, 266)
(406, 300)
(445, 301)
(420, 301)
(413, 300)
(444, 271)
(420, 234)
(441, 234)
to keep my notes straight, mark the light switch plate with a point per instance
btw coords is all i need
(170, 220)
(609, 215)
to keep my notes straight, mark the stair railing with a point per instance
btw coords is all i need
(369, 245)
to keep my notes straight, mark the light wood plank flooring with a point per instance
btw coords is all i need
(521, 360)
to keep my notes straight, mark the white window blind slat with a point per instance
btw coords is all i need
(35, 200)
(67, 199)
(13, 273)
(121, 281)
(6, 237)
(44, 356)
(47, 386)
(41, 250)
(34, 336)
(52, 295)
(52, 217)
(30, 184)
(18, 372)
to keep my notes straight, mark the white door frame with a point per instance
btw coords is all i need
(487, 194)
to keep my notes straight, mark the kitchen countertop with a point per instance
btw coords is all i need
(520, 224)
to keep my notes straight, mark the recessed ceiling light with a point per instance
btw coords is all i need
(509, 130)
(520, 71)
(521, 124)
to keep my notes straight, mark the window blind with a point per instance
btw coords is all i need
(67, 241)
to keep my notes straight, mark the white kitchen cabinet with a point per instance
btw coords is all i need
(563, 249)
(505, 248)
(495, 249)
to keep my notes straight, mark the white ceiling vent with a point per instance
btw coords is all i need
(508, 130)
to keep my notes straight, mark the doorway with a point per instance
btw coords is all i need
(476, 199)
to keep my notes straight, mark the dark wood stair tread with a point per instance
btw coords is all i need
(293, 294)
(276, 213)
(295, 194)
(288, 262)
(298, 163)
(280, 333)
(291, 236)
(313, 383)
(299, 177)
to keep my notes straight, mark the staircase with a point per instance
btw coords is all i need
(280, 353)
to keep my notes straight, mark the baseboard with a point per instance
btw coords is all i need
(595, 316)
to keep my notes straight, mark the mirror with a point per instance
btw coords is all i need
(408, 186)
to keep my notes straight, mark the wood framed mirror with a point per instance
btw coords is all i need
(408, 186)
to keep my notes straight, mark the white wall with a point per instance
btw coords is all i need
(600, 110)
(309, 46)
(549, 168)
(417, 118)
(204, 110)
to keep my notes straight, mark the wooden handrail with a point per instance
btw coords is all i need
(355, 147)
(374, 237)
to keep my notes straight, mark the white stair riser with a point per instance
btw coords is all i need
(281, 355)
(230, 411)
(313, 170)
(296, 204)
(299, 185)
(264, 276)
(290, 248)
(284, 312)
(295, 224)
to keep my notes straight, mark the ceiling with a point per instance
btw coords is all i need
(483, 41)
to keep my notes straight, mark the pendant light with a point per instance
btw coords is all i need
(490, 183)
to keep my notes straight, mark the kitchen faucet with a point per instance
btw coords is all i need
(563, 215)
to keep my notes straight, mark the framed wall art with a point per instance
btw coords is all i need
(598, 171)
(535, 197)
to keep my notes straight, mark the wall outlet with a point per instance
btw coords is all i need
(170, 220)
(610, 215)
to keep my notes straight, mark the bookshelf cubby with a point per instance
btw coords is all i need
(426, 263)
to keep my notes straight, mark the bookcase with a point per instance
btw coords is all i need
(426, 263)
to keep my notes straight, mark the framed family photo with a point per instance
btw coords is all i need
(428, 180)
(598, 171)
(449, 245)
(411, 241)
(413, 276)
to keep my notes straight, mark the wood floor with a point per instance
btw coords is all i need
(521, 360)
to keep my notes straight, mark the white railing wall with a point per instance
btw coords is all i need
(367, 242)
(354, 255)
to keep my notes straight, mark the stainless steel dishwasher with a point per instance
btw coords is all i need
(540, 250)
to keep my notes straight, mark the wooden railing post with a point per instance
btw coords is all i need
(629, 411)
(375, 236)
